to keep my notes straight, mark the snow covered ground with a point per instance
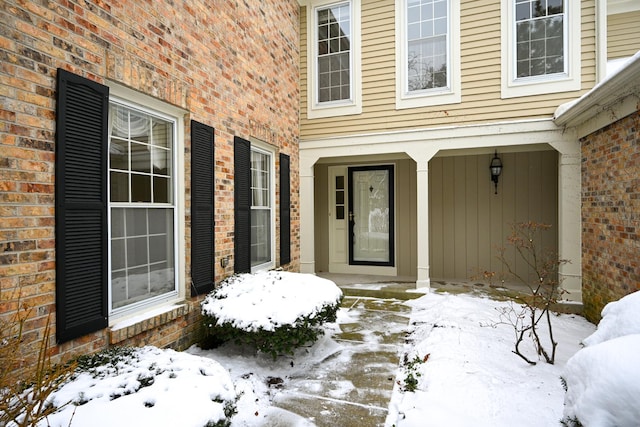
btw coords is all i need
(468, 376)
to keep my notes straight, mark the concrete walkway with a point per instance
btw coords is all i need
(355, 388)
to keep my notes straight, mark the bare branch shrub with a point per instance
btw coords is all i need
(27, 375)
(533, 310)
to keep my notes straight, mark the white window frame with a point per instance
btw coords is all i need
(264, 148)
(135, 100)
(316, 109)
(452, 93)
(568, 81)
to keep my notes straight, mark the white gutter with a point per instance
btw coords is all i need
(613, 89)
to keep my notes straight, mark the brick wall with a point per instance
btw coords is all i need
(232, 65)
(610, 214)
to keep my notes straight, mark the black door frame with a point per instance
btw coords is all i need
(351, 222)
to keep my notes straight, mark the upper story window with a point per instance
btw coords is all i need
(427, 52)
(427, 56)
(539, 37)
(542, 41)
(333, 52)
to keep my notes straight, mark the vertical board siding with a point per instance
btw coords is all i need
(623, 34)
(468, 222)
(480, 34)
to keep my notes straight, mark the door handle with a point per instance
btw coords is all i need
(350, 216)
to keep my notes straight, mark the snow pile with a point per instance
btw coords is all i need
(603, 379)
(270, 299)
(161, 387)
(619, 318)
(467, 374)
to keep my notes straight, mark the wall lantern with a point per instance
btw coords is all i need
(496, 169)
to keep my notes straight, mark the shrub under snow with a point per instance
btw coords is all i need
(603, 379)
(145, 386)
(276, 311)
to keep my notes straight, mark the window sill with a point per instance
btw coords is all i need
(129, 328)
(444, 97)
(541, 86)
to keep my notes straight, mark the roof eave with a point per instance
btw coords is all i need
(611, 90)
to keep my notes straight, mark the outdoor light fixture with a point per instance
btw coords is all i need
(496, 169)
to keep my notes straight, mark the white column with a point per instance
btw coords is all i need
(421, 155)
(569, 220)
(422, 187)
(307, 221)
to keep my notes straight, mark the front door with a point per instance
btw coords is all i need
(371, 210)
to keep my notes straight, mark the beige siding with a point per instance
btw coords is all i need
(480, 75)
(467, 221)
(623, 34)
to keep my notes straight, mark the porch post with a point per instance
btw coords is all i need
(307, 221)
(422, 187)
(569, 219)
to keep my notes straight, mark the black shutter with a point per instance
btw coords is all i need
(242, 205)
(285, 210)
(202, 225)
(81, 206)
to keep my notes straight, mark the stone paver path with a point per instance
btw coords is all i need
(355, 388)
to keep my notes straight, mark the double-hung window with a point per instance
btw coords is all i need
(334, 82)
(118, 174)
(262, 213)
(542, 42)
(427, 52)
(141, 206)
(539, 37)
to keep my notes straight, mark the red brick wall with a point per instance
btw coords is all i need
(232, 65)
(610, 214)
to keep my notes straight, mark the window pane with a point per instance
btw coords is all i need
(260, 237)
(137, 251)
(142, 260)
(138, 283)
(139, 126)
(140, 158)
(136, 222)
(160, 221)
(161, 190)
(158, 248)
(162, 133)
(117, 223)
(119, 187)
(119, 154)
(140, 188)
(118, 254)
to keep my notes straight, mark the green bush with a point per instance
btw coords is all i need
(281, 340)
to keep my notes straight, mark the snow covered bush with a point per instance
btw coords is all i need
(274, 311)
(602, 380)
(122, 386)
